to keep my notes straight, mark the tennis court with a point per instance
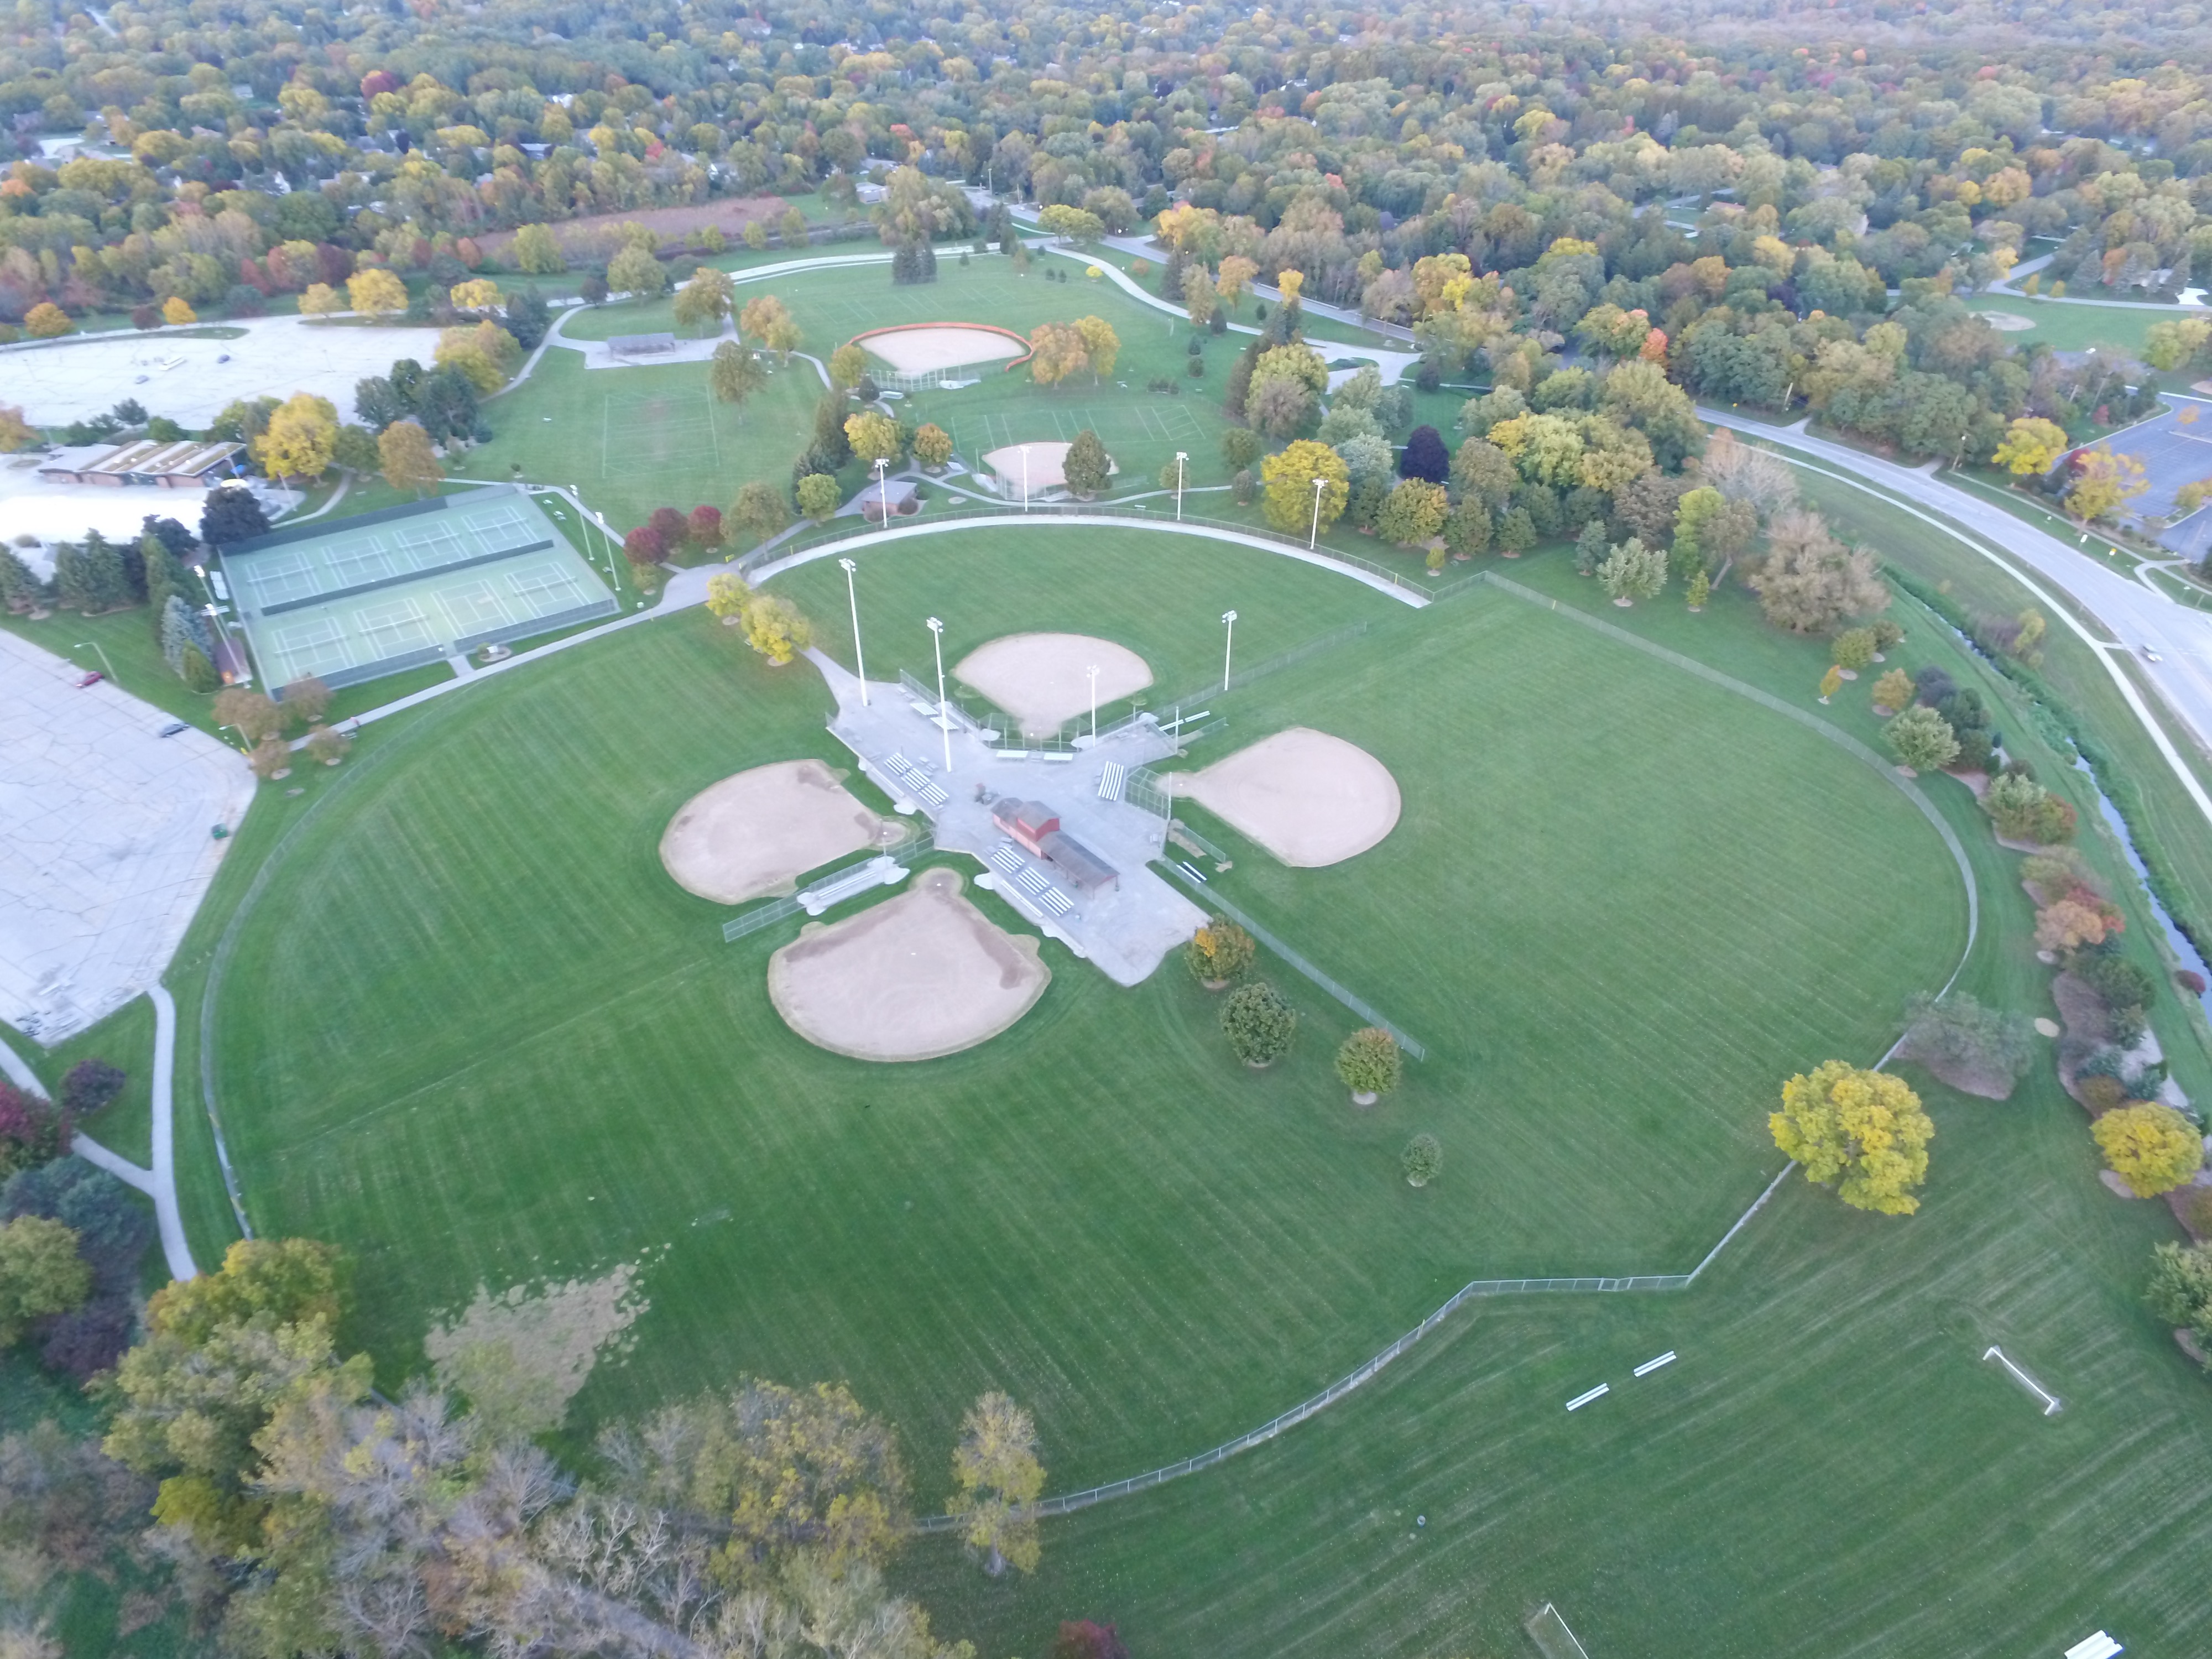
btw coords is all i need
(390, 590)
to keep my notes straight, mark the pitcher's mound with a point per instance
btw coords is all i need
(754, 832)
(916, 977)
(1044, 679)
(1308, 797)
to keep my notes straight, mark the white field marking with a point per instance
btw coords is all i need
(2099, 1646)
(1583, 1400)
(2050, 1400)
(1651, 1365)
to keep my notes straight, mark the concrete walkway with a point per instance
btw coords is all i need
(160, 1182)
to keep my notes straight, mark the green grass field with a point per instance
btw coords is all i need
(2077, 327)
(579, 1073)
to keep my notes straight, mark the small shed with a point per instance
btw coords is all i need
(1028, 822)
(1077, 864)
(901, 495)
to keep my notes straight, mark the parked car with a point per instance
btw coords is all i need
(2149, 655)
(93, 678)
(172, 728)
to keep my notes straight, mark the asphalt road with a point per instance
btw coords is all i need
(2181, 637)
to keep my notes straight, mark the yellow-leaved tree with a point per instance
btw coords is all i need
(1288, 496)
(776, 628)
(2151, 1147)
(767, 320)
(477, 293)
(376, 294)
(403, 452)
(999, 1479)
(487, 353)
(299, 439)
(177, 313)
(1057, 350)
(2031, 445)
(874, 437)
(2102, 482)
(320, 300)
(1100, 343)
(1862, 1132)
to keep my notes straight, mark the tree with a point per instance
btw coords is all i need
(703, 527)
(767, 320)
(1219, 953)
(1633, 572)
(849, 366)
(303, 703)
(1199, 296)
(535, 253)
(46, 321)
(1280, 408)
(705, 300)
(1087, 466)
(874, 437)
(2103, 483)
(997, 1478)
(1100, 344)
(1288, 498)
(932, 445)
(727, 596)
(1425, 455)
(1240, 447)
(177, 313)
(404, 452)
(2151, 1147)
(320, 300)
(776, 630)
(1235, 274)
(818, 496)
(1414, 512)
(1810, 582)
(2180, 1288)
(1922, 739)
(1744, 474)
(1861, 1131)
(376, 295)
(300, 438)
(327, 745)
(487, 353)
(41, 1273)
(1854, 649)
(2032, 446)
(477, 293)
(1056, 351)
(734, 373)
(1422, 1161)
(759, 511)
(1980, 1049)
(1259, 1023)
(1369, 1064)
(636, 271)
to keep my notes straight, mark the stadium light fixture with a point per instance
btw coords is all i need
(883, 494)
(1179, 458)
(1228, 644)
(943, 718)
(1093, 672)
(1313, 537)
(853, 598)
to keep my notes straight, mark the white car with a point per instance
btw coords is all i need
(2149, 655)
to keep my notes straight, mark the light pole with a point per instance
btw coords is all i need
(110, 667)
(853, 597)
(1025, 477)
(576, 495)
(1313, 536)
(883, 496)
(1228, 644)
(943, 718)
(1093, 672)
(1179, 458)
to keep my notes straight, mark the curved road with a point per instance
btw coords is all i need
(2139, 617)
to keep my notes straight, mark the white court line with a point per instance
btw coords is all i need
(2050, 1400)
(1651, 1365)
(1583, 1400)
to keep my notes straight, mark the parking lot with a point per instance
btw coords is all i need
(105, 843)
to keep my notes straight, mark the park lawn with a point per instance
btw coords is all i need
(479, 1037)
(632, 439)
(2077, 327)
(133, 657)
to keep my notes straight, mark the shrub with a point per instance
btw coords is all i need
(2180, 1288)
(2190, 981)
(33, 1130)
(271, 759)
(1932, 685)
(2101, 1094)
(1854, 649)
(2014, 804)
(2069, 924)
(112, 1226)
(1244, 487)
(1979, 1048)
(1219, 952)
(2058, 870)
(1370, 1064)
(2120, 982)
(1894, 690)
(1258, 1023)
(328, 746)
(1240, 447)
(91, 1085)
(1422, 1160)
(1920, 739)
(1975, 751)
(2152, 1148)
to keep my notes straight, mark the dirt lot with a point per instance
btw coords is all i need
(918, 976)
(596, 235)
(756, 832)
(1043, 679)
(1308, 797)
(918, 350)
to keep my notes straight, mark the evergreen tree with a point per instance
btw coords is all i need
(231, 514)
(527, 318)
(925, 263)
(108, 577)
(71, 585)
(1002, 229)
(1240, 381)
(161, 576)
(1171, 277)
(829, 443)
(197, 673)
(19, 589)
(182, 629)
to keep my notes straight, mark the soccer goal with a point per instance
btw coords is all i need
(1551, 1636)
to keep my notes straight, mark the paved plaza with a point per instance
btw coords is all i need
(105, 843)
(1124, 930)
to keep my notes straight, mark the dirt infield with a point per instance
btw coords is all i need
(754, 832)
(1043, 679)
(916, 977)
(1308, 797)
(919, 348)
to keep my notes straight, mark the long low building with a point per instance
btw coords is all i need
(185, 465)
